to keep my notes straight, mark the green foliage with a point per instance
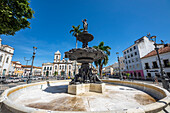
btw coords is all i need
(14, 15)
(101, 62)
(55, 73)
(76, 31)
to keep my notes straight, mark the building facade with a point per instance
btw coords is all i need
(133, 55)
(35, 72)
(150, 63)
(16, 69)
(6, 54)
(60, 67)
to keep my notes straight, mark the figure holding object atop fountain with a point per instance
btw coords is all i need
(85, 24)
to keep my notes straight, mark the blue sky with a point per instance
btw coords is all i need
(116, 22)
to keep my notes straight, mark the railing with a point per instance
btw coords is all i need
(147, 67)
(154, 67)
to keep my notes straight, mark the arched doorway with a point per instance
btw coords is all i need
(139, 75)
(47, 73)
(4, 71)
(69, 73)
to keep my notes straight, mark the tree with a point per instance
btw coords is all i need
(101, 62)
(76, 31)
(55, 73)
(14, 15)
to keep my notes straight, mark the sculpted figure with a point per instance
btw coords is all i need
(85, 24)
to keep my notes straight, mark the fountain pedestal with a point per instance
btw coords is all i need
(84, 88)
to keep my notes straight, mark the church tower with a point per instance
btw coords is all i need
(57, 56)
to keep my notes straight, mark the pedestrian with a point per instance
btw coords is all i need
(156, 80)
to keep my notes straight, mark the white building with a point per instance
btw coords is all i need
(35, 72)
(150, 63)
(6, 53)
(59, 67)
(133, 55)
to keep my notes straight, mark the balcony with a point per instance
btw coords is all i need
(147, 67)
(155, 67)
(166, 66)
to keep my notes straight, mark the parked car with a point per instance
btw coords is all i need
(24, 79)
(2, 79)
(12, 80)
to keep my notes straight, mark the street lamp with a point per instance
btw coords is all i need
(66, 68)
(120, 75)
(34, 51)
(164, 78)
(26, 63)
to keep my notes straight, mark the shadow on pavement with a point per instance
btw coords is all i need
(57, 89)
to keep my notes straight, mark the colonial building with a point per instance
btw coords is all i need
(150, 63)
(35, 72)
(60, 66)
(6, 53)
(16, 69)
(133, 55)
(111, 69)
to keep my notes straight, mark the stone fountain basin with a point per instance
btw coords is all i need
(85, 55)
(120, 96)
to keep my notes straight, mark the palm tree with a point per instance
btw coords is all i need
(76, 31)
(101, 62)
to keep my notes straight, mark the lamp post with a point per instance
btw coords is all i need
(65, 69)
(34, 51)
(26, 63)
(120, 75)
(164, 78)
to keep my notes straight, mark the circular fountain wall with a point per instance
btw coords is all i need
(53, 96)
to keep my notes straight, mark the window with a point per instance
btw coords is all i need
(129, 61)
(137, 65)
(147, 66)
(55, 67)
(166, 63)
(155, 65)
(131, 55)
(136, 59)
(133, 66)
(125, 52)
(7, 59)
(130, 49)
(149, 75)
(130, 67)
(134, 47)
(135, 53)
(128, 56)
(56, 57)
(1, 58)
(125, 57)
(60, 66)
(127, 67)
(132, 60)
(50, 68)
(47, 68)
(69, 67)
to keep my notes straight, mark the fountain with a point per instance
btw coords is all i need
(85, 55)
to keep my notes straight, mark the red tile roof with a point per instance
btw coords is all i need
(161, 51)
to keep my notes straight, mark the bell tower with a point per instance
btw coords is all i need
(57, 56)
